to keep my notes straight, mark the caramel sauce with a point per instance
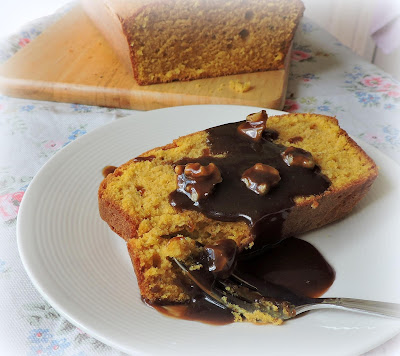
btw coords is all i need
(143, 159)
(294, 266)
(222, 257)
(231, 200)
(283, 269)
(199, 309)
(293, 271)
(295, 139)
(108, 170)
(196, 181)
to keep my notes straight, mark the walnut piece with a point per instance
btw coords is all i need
(260, 178)
(258, 116)
(294, 156)
(254, 126)
(197, 181)
(221, 256)
(252, 130)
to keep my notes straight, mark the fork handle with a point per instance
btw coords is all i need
(360, 305)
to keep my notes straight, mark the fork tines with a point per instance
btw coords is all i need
(252, 301)
(241, 297)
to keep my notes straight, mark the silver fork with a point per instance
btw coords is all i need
(238, 295)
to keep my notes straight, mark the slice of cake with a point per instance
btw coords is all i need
(163, 41)
(255, 182)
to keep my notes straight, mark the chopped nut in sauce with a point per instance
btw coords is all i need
(197, 181)
(260, 178)
(222, 256)
(254, 126)
(258, 116)
(294, 156)
(252, 130)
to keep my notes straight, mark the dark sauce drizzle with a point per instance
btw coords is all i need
(288, 269)
(231, 200)
(108, 170)
(143, 159)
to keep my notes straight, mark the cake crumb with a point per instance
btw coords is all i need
(195, 267)
(250, 245)
(239, 87)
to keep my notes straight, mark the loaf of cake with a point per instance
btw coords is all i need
(168, 40)
(255, 182)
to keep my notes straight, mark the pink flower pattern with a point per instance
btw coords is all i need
(300, 55)
(381, 85)
(394, 94)
(374, 138)
(372, 81)
(373, 90)
(291, 105)
(24, 41)
(53, 145)
(9, 205)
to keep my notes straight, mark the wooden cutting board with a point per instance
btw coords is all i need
(71, 62)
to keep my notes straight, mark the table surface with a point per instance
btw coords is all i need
(325, 78)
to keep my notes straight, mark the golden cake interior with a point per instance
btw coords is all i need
(159, 231)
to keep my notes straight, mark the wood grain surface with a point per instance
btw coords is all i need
(71, 62)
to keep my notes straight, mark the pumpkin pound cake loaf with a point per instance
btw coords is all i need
(253, 183)
(166, 40)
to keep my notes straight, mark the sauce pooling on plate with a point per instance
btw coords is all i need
(292, 271)
(259, 182)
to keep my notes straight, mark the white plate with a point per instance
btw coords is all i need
(84, 270)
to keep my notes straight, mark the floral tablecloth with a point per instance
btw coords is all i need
(325, 77)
